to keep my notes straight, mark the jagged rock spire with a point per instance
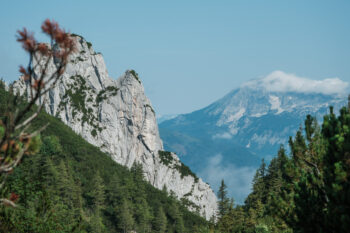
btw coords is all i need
(117, 117)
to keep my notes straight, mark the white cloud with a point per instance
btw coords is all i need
(237, 179)
(279, 81)
(222, 136)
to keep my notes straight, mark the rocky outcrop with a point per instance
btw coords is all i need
(116, 116)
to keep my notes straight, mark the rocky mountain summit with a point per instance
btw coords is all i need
(117, 117)
(257, 115)
(248, 124)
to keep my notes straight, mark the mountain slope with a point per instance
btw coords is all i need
(246, 125)
(71, 186)
(117, 117)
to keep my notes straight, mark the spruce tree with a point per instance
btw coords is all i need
(97, 202)
(176, 216)
(160, 221)
(65, 183)
(98, 193)
(143, 216)
(259, 188)
(126, 220)
(223, 202)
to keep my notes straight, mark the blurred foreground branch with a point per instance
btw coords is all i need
(46, 65)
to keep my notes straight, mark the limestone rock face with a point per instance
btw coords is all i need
(116, 116)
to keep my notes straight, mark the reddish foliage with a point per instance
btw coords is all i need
(14, 197)
(23, 71)
(38, 83)
(4, 147)
(50, 27)
(62, 38)
(43, 49)
(27, 39)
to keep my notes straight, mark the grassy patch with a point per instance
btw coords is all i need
(94, 132)
(76, 94)
(185, 171)
(89, 44)
(165, 157)
(105, 93)
(136, 75)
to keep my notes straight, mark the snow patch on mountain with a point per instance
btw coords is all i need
(228, 117)
(275, 104)
(267, 137)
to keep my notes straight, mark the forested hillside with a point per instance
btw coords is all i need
(308, 191)
(71, 186)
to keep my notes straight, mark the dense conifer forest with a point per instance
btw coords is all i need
(71, 186)
(306, 191)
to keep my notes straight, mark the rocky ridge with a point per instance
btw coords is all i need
(249, 124)
(117, 117)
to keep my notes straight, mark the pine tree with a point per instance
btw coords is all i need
(65, 184)
(114, 191)
(176, 216)
(310, 127)
(273, 179)
(335, 188)
(98, 192)
(259, 188)
(126, 220)
(160, 221)
(96, 224)
(223, 202)
(143, 216)
(141, 208)
(97, 198)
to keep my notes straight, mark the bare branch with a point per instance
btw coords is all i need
(7, 202)
(32, 117)
(9, 167)
(15, 142)
(4, 180)
(37, 132)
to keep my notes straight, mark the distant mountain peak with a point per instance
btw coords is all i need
(249, 124)
(275, 94)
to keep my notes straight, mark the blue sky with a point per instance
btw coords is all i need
(190, 53)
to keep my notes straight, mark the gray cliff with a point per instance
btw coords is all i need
(117, 117)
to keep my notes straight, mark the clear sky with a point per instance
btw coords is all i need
(190, 53)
